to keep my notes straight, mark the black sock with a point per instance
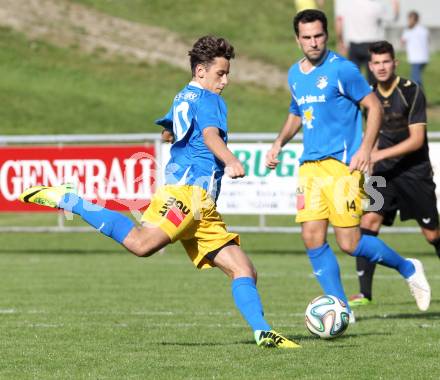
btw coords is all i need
(436, 244)
(365, 270)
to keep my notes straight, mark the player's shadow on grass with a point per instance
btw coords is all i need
(346, 335)
(57, 251)
(433, 301)
(420, 315)
(305, 338)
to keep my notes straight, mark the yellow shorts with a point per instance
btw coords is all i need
(188, 214)
(327, 190)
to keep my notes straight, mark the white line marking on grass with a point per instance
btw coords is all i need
(7, 311)
(46, 325)
(123, 325)
(148, 312)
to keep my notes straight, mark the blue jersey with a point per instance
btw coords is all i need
(327, 100)
(191, 162)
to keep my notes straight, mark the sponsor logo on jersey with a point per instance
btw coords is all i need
(174, 210)
(308, 117)
(322, 82)
(311, 99)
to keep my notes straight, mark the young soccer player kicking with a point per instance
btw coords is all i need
(184, 208)
(326, 93)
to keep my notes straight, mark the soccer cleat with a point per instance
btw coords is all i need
(358, 300)
(49, 196)
(419, 286)
(269, 339)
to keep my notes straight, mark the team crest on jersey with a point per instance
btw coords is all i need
(322, 82)
(308, 118)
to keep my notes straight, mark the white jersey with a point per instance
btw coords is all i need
(417, 44)
(363, 20)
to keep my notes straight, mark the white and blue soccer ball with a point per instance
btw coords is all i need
(327, 317)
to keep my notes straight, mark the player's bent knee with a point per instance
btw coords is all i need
(431, 235)
(312, 241)
(347, 245)
(347, 248)
(371, 221)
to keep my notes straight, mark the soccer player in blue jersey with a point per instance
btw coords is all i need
(326, 94)
(184, 208)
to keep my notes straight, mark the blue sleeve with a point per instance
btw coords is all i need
(167, 120)
(353, 84)
(209, 111)
(294, 107)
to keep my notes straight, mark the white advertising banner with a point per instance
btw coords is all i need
(268, 192)
(262, 191)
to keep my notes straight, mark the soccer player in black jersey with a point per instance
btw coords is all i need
(401, 156)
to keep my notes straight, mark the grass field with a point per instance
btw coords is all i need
(78, 306)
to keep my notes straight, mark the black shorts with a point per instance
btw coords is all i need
(414, 198)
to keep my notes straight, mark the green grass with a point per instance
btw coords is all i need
(267, 33)
(78, 306)
(45, 90)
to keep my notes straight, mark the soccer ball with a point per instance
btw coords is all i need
(327, 317)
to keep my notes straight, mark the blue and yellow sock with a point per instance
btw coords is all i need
(109, 223)
(376, 251)
(327, 272)
(247, 300)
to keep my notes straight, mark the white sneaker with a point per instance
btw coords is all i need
(419, 286)
(351, 318)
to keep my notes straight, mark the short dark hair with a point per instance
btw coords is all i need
(414, 14)
(309, 15)
(381, 47)
(207, 48)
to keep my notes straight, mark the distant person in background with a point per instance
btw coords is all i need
(300, 5)
(341, 32)
(416, 40)
(402, 158)
(358, 23)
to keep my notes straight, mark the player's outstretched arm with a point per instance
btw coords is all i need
(291, 127)
(212, 139)
(361, 159)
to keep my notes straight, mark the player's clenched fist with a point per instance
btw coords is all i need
(234, 169)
